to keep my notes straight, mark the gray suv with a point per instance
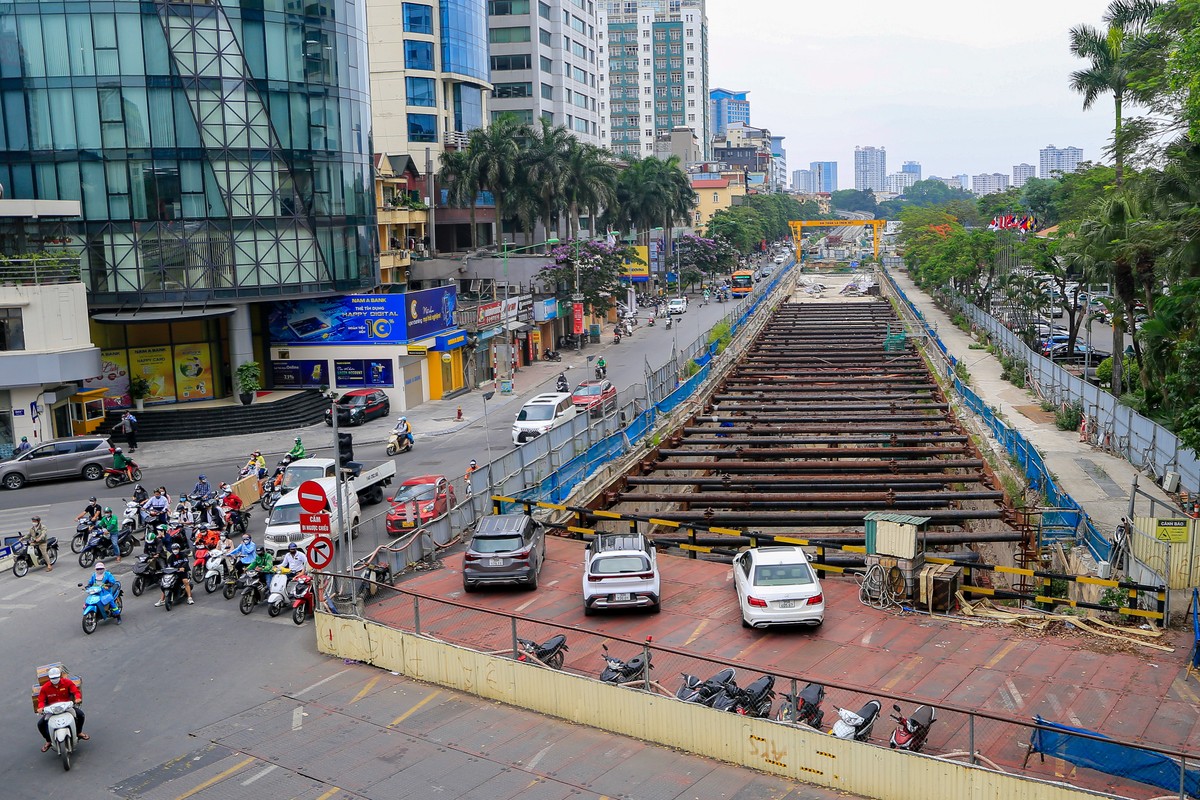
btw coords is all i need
(506, 548)
(80, 456)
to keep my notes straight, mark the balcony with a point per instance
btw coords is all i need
(40, 270)
(396, 215)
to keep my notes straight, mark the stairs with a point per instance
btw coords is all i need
(181, 423)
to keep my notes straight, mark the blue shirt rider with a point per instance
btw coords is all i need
(202, 488)
(246, 550)
(106, 580)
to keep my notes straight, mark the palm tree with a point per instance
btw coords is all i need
(545, 169)
(590, 176)
(457, 176)
(494, 154)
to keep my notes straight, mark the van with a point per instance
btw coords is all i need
(542, 414)
(283, 524)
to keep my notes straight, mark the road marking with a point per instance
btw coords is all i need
(297, 718)
(16, 606)
(903, 673)
(366, 689)
(321, 682)
(329, 794)
(526, 604)
(1001, 653)
(412, 710)
(19, 592)
(1014, 694)
(217, 778)
(270, 768)
(533, 762)
(703, 624)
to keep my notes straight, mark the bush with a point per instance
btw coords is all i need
(721, 334)
(1068, 418)
(960, 370)
(960, 321)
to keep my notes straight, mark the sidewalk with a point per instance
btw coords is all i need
(1099, 482)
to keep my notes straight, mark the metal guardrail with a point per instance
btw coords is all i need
(39, 271)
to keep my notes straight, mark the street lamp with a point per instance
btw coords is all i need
(504, 251)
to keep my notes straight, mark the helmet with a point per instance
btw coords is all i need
(292, 547)
(256, 453)
(151, 536)
(175, 549)
(100, 566)
(55, 675)
(202, 477)
(246, 539)
(91, 499)
(404, 419)
(297, 440)
(117, 450)
(35, 518)
(24, 438)
(108, 509)
(474, 463)
(162, 528)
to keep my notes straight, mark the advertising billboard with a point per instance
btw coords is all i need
(357, 372)
(156, 365)
(429, 311)
(193, 373)
(114, 376)
(304, 374)
(352, 319)
(635, 272)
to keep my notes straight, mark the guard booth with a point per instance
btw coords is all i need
(87, 411)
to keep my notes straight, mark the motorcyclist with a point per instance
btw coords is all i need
(202, 489)
(38, 539)
(91, 512)
(297, 450)
(201, 493)
(177, 562)
(245, 552)
(403, 430)
(294, 561)
(602, 366)
(562, 385)
(139, 494)
(109, 524)
(257, 465)
(59, 689)
(168, 538)
(157, 507)
(233, 505)
(122, 464)
(107, 580)
(23, 447)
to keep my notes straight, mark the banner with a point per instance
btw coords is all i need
(577, 319)
(637, 273)
(430, 311)
(114, 376)
(354, 373)
(156, 366)
(193, 373)
(299, 374)
(352, 319)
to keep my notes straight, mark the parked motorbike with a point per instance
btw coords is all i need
(551, 652)
(694, 690)
(146, 572)
(101, 603)
(26, 557)
(755, 700)
(562, 385)
(804, 708)
(622, 672)
(172, 585)
(912, 731)
(253, 590)
(64, 735)
(99, 545)
(551, 355)
(118, 477)
(398, 443)
(856, 726)
(303, 598)
(277, 593)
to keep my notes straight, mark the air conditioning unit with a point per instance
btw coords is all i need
(1103, 570)
(1170, 482)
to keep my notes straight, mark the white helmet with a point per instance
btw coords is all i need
(55, 675)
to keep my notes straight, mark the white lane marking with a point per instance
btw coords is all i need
(16, 606)
(526, 604)
(1016, 696)
(297, 718)
(321, 682)
(267, 771)
(18, 593)
(533, 762)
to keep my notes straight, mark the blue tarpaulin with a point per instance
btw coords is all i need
(1111, 758)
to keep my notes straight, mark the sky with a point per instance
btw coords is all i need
(958, 85)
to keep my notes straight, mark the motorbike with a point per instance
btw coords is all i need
(804, 708)
(26, 557)
(60, 720)
(235, 581)
(253, 590)
(172, 585)
(755, 700)
(670, 323)
(273, 489)
(146, 572)
(101, 603)
(277, 592)
(83, 529)
(134, 518)
(550, 652)
(216, 570)
(399, 443)
(616, 337)
(694, 690)
(601, 373)
(199, 563)
(562, 385)
(856, 726)
(236, 519)
(912, 731)
(114, 477)
(303, 599)
(551, 355)
(204, 510)
(621, 672)
(650, 321)
(99, 545)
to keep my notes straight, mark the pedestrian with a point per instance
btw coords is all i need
(471, 471)
(128, 428)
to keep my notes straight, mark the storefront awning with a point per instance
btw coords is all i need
(450, 340)
(162, 314)
(421, 346)
(519, 326)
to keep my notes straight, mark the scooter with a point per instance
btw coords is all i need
(253, 591)
(562, 385)
(621, 672)
(134, 518)
(26, 557)
(99, 545)
(756, 699)
(601, 373)
(273, 488)
(912, 731)
(551, 652)
(83, 529)
(216, 570)
(114, 477)
(670, 322)
(856, 726)
(303, 599)
(60, 720)
(551, 355)
(399, 443)
(804, 708)
(616, 337)
(650, 321)
(172, 585)
(694, 690)
(277, 593)
(101, 603)
(146, 572)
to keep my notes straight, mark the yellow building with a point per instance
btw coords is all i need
(402, 217)
(715, 192)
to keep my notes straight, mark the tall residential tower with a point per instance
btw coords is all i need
(870, 168)
(1059, 159)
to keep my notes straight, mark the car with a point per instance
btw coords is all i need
(359, 406)
(777, 586)
(505, 548)
(418, 501)
(595, 397)
(542, 414)
(620, 571)
(73, 457)
(677, 305)
(1082, 353)
(781, 259)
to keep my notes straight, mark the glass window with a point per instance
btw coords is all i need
(547, 91)
(422, 128)
(468, 107)
(464, 32)
(543, 37)
(418, 55)
(523, 115)
(519, 61)
(12, 330)
(546, 64)
(513, 89)
(543, 10)
(500, 8)
(506, 35)
(418, 18)
(420, 91)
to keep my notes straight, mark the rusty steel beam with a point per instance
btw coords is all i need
(801, 483)
(719, 437)
(824, 466)
(749, 517)
(736, 450)
(755, 499)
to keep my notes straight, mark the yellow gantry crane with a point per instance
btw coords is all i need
(798, 226)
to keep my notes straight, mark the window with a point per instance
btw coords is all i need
(546, 64)
(676, 77)
(578, 49)
(660, 63)
(543, 37)
(523, 115)
(660, 36)
(691, 61)
(579, 74)
(502, 8)
(547, 91)
(418, 18)
(648, 118)
(691, 103)
(578, 25)
(420, 91)
(691, 117)
(502, 63)
(422, 128)
(12, 330)
(506, 35)
(418, 55)
(543, 11)
(513, 89)
(691, 46)
(691, 75)
(581, 125)
(716, 197)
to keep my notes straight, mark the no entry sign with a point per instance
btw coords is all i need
(312, 498)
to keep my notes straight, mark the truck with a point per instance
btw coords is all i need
(367, 485)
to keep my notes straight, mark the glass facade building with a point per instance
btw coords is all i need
(219, 150)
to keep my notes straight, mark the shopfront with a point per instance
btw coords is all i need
(443, 362)
(544, 335)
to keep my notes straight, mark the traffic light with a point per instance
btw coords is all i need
(345, 449)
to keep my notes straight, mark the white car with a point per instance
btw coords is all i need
(620, 571)
(777, 586)
(781, 259)
(542, 414)
(677, 305)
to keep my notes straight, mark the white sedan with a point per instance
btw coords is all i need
(777, 586)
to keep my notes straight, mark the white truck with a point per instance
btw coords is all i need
(367, 485)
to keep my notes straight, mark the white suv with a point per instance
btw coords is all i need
(620, 571)
(542, 414)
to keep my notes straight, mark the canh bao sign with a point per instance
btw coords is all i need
(1174, 530)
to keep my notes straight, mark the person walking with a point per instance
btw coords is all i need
(128, 428)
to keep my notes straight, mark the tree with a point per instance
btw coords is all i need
(741, 226)
(591, 174)
(707, 257)
(600, 268)
(933, 193)
(545, 170)
(494, 155)
(854, 200)
(457, 176)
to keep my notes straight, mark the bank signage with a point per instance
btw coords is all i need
(363, 319)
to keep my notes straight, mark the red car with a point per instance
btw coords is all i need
(595, 397)
(418, 501)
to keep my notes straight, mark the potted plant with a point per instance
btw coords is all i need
(249, 381)
(139, 390)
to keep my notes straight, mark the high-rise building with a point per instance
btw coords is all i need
(870, 168)
(653, 71)
(228, 161)
(898, 182)
(911, 168)
(727, 106)
(964, 181)
(543, 63)
(989, 184)
(1022, 173)
(825, 175)
(778, 164)
(804, 181)
(1059, 159)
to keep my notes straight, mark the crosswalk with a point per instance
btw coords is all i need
(15, 521)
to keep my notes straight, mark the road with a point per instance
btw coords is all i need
(161, 675)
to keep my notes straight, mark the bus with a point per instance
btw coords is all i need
(742, 282)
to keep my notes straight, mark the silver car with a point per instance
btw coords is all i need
(77, 457)
(506, 548)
